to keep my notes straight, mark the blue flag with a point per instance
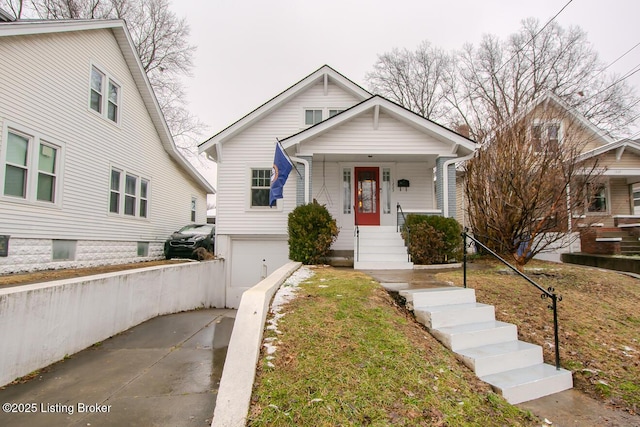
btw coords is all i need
(279, 174)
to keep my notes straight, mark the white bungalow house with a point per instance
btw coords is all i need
(361, 155)
(89, 173)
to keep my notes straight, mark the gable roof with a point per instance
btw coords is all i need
(551, 98)
(322, 74)
(461, 145)
(123, 38)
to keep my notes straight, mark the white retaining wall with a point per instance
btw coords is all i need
(41, 323)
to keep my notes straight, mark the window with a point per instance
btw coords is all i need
(15, 177)
(30, 167)
(311, 117)
(260, 185)
(130, 187)
(346, 188)
(128, 194)
(597, 198)
(114, 198)
(100, 85)
(193, 209)
(545, 134)
(63, 250)
(97, 88)
(143, 249)
(144, 198)
(386, 190)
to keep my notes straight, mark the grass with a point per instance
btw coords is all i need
(347, 355)
(599, 322)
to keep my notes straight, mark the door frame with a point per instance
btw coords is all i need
(367, 218)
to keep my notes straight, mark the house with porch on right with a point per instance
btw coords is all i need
(607, 221)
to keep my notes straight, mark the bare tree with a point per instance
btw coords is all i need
(501, 78)
(415, 80)
(486, 86)
(161, 40)
(525, 187)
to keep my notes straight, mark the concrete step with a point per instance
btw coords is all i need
(383, 257)
(382, 243)
(435, 317)
(382, 265)
(439, 296)
(379, 249)
(532, 382)
(500, 357)
(377, 229)
(461, 337)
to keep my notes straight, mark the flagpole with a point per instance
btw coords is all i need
(292, 162)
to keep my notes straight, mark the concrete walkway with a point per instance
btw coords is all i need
(163, 372)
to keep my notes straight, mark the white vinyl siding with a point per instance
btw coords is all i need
(358, 136)
(255, 148)
(43, 67)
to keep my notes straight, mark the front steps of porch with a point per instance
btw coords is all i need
(380, 248)
(490, 348)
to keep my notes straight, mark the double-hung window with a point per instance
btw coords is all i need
(104, 95)
(31, 167)
(128, 194)
(260, 186)
(597, 198)
(545, 136)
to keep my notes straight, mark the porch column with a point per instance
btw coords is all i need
(449, 192)
(300, 190)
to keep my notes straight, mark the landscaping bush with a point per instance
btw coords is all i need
(312, 231)
(434, 239)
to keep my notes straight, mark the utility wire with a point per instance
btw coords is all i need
(534, 36)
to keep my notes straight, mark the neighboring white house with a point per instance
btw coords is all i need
(360, 155)
(89, 173)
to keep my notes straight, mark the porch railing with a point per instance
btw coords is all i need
(406, 227)
(546, 293)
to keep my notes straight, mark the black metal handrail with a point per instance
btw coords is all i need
(546, 293)
(356, 233)
(404, 224)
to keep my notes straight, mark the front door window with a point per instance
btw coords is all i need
(367, 201)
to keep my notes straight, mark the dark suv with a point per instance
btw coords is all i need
(185, 241)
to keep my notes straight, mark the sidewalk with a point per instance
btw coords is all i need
(163, 372)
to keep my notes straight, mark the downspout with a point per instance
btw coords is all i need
(306, 177)
(445, 181)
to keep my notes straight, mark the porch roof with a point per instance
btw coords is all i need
(457, 144)
(619, 146)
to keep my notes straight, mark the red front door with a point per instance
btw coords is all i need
(366, 196)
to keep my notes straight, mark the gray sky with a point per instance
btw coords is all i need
(250, 50)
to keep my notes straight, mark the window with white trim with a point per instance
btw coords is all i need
(128, 194)
(104, 95)
(193, 209)
(260, 186)
(597, 198)
(346, 189)
(386, 190)
(315, 115)
(545, 134)
(31, 167)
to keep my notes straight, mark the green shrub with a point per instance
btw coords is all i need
(312, 231)
(434, 239)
